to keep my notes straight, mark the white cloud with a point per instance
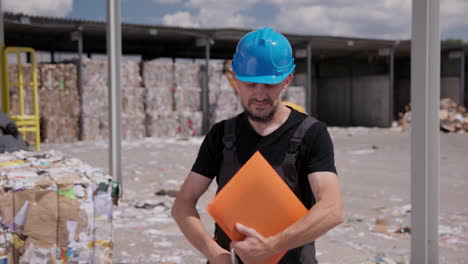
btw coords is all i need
(213, 13)
(375, 19)
(390, 19)
(57, 8)
(453, 13)
(182, 19)
(378, 19)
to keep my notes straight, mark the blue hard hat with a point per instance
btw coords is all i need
(263, 56)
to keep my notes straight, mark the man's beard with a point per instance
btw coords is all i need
(263, 118)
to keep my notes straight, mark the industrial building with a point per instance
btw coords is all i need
(350, 81)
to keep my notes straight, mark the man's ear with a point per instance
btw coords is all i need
(287, 82)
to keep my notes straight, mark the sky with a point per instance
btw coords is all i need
(380, 19)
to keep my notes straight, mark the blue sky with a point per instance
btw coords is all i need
(384, 19)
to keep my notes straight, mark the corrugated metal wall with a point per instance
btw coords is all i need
(355, 101)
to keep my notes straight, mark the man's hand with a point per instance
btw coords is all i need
(254, 248)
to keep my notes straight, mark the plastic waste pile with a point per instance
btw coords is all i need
(54, 209)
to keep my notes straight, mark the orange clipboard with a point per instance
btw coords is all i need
(256, 197)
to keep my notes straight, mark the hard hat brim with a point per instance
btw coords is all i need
(268, 79)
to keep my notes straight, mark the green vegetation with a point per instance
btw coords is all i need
(452, 41)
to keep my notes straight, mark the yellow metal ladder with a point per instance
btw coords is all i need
(27, 123)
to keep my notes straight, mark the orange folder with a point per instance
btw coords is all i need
(256, 197)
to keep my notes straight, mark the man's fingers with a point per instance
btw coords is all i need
(247, 231)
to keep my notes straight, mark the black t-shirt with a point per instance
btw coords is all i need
(316, 151)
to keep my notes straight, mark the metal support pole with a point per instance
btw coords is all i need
(310, 96)
(425, 144)
(462, 79)
(114, 52)
(391, 93)
(205, 90)
(52, 56)
(80, 80)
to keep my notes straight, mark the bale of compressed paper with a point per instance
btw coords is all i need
(94, 94)
(173, 98)
(161, 120)
(158, 77)
(187, 86)
(224, 102)
(54, 209)
(96, 105)
(163, 124)
(59, 103)
(189, 123)
(296, 95)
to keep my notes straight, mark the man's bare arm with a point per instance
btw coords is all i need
(323, 216)
(327, 213)
(187, 218)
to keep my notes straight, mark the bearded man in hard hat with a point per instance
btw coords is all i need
(297, 146)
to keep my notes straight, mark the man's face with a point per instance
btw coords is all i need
(260, 100)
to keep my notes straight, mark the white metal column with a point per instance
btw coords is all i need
(114, 52)
(425, 92)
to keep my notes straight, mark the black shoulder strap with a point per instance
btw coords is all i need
(296, 139)
(289, 163)
(229, 137)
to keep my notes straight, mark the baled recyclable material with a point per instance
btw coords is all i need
(54, 209)
(158, 77)
(190, 123)
(187, 86)
(172, 98)
(96, 104)
(58, 90)
(296, 95)
(224, 102)
(157, 97)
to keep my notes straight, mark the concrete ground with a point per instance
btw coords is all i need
(373, 164)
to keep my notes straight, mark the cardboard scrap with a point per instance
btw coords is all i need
(453, 118)
(42, 217)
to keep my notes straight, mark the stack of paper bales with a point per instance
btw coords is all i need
(133, 111)
(224, 102)
(161, 120)
(296, 95)
(96, 102)
(187, 97)
(59, 103)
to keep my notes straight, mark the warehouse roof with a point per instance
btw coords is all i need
(151, 41)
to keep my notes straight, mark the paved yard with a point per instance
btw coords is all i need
(374, 165)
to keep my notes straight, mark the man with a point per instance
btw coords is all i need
(297, 146)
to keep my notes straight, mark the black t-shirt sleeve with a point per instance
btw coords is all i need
(209, 155)
(319, 154)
